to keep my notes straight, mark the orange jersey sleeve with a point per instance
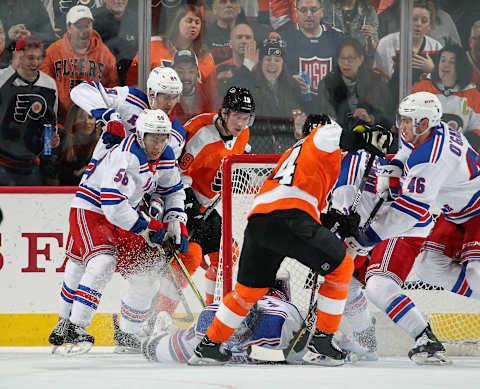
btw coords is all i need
(304, 175)
(203, 154)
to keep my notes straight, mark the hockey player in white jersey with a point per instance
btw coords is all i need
(441, 169)
(122, 104)
(271, 324)
(107, 199)
(384, 270)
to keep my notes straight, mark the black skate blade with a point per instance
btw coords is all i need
(71, 350)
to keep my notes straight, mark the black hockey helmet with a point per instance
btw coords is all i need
(238, 100)
(313, 121)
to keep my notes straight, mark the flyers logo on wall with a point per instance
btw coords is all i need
(29, 105)
(316, 68)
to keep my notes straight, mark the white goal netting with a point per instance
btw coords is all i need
(454, 319)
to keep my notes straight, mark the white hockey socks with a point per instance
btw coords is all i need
(356, 308)
(135, 308)
(387, 295)
(72, 276)
(99, 271)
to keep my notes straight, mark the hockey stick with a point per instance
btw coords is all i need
(300, 340)
(373, 214)
(185, 273)
(189, 317)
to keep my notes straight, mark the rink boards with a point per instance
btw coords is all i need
(33, 235)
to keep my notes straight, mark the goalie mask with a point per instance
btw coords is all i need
(152, 121)
(419, 106)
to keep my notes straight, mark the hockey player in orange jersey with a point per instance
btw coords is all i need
(285, 221)
(210, 137)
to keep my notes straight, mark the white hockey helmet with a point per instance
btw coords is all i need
(152, 121)
(421, 105)
(164, 80)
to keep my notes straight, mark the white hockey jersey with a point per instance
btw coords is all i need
(272, 323)
(115, 182)
(351, 173)
(127, 101)
(444, 170)
(388, 53)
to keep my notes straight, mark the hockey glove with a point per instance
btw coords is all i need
(193, 210)
(150, 229)
(157, 207)
(388, 184)
(347, 225)
(177, 230)
(360, 135)
(217, 181)
(356, 245)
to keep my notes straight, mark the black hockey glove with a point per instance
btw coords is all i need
(347, 224)
(360, 135)
(217, 181)
(193, 210)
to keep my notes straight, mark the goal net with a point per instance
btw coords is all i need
(454, 319)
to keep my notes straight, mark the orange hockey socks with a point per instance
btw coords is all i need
(333, 295)
(233, 309)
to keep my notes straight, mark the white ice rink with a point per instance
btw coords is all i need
(35, 368)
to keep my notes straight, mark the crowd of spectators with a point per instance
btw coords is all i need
(339, 57)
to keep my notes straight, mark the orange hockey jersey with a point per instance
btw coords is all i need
(69, 68)
(304, 175)
(161, 56)
(203, 154)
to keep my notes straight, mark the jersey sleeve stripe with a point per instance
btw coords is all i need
(471, 209)
(88, 194)
(436, 149)
(134, 101)
(171, 189)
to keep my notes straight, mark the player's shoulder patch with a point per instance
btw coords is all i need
(168, 154)
(178, 127)
(137, 97)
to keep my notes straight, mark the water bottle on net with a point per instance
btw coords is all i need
(47, 134)
(307, 95)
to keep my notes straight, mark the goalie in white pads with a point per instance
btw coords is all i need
(271, 323)
(442, 168)
(107, 199)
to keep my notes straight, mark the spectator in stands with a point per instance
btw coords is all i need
(451, 82)
(80, 138)
(244, 47)
(352, 89)
(80, 55)
(224, 73)
(357, 19)
(196, 97)
(29, 100)
(424, 47)
(117, 24)
(26, 17)
(186, 33)
(277, 97)
(60, 8)
(312, 47)
(5, 54)
(474, 52)
(442, 28)
(218, 33)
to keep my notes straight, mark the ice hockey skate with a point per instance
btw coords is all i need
(324, 351)
(57, 337)
(210, 353)
(77, 341)
(125, 342)
(428, 350)
(368, 341)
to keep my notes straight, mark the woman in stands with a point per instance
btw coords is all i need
(352, 89)
(452, 83)
(185, 33)
(81, 136)
(277, 98)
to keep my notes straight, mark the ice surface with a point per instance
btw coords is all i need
(36, 368)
